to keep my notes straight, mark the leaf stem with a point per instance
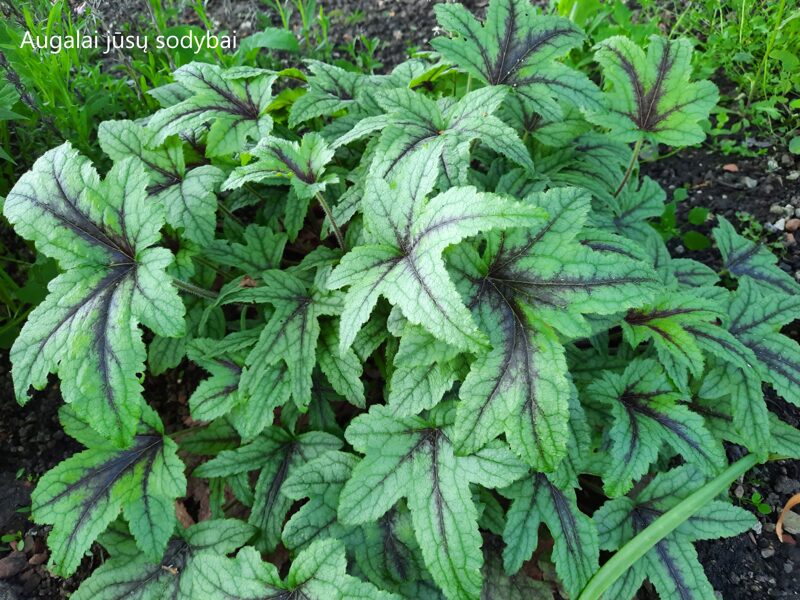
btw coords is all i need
(329, 214)
(229, 213)
(193, 289)
(662, 527)
(636, 149)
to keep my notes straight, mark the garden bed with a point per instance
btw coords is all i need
(751, 566)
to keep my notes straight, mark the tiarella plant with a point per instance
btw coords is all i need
(434, 316)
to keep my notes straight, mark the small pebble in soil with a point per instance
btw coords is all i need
(768, 552)
(776, 209)
(750, 183)
(792, 225)
(788, 566)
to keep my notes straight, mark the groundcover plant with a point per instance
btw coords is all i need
(434, 317)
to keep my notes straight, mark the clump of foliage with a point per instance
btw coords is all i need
(433, 320)
(752, 47)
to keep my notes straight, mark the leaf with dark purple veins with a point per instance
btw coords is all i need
(671, 565)
(744, 258)
(406, 235)
(536, 500)
(81, 496)
(281, 161)
(531, 285)
(646, 415)
(517, 47)
(414, 458)
(86, 330)
(417, 128)
(276, 454)
(651, 96)
(319, 572)
(756, 320)
(187, 193)
(232, 102)
(128, 575)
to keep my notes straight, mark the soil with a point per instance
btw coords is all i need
(752, 566)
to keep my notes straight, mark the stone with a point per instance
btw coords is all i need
(780, 224)
(787, 485)
(750, 183)
(791, 522)
(775, 209)
(792, 225)
(768, 552)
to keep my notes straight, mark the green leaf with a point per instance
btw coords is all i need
(342, 369)
(407, 456)
(223, 359)
(81, 496)
(187, 194)
(330, 89)
(133, 576)
(631, 213)
(417, 129)
(302, 164)
(535, 499)
(670, 323)
(260, 249)
(86, 330)
(273, 38)
(651, 97)
(275, 454)
(402, 262)
(756, 321)
(531, 284)
(317, 573)
(289, 337)
(233, 102)
(671, 565)
(746, 259)
(646, 415)
(697, 215)
(517, 47)
(321, 480)
(694, 240)
(497, 585)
